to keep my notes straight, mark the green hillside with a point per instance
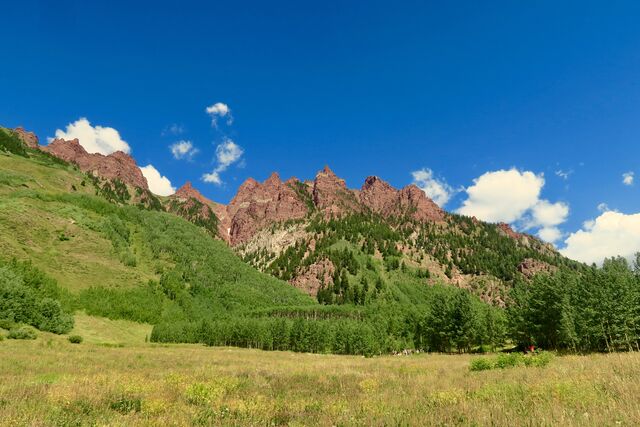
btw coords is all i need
(121, 261)
(74, 244)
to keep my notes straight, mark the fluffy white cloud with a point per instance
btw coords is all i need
(94, 139)
(212, 177)
(217, 110)
(610, 234)
(183, 150)
(158, 184)
(502, 196)
(227, 153)
(547, 216)
(513, 196)
(437, 190)
(627, 178)
(550, 234)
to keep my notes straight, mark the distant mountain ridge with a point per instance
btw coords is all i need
(266, 222)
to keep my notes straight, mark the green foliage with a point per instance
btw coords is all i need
(11, 143)
(22, 333)
(75, 339)
(142, 304)
(29, 296)
(126, 404)
(480, 364)
(511, 360)
(598, 310)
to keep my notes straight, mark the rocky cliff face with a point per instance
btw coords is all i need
(28, 138)
(382, 198)
(190, 204)
(117, 165)
(258, 205)
(331, 196)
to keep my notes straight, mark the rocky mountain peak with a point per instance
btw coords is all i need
(116, 165)
(29, 139)
(187, 191)
(257, 205)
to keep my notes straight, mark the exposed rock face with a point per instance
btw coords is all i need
(193, 206)
(331, 196)
(529, 267)
(257, 206)
(314, 276)
(382, 198)
(29, 138)
(117, 165)
(521, 238)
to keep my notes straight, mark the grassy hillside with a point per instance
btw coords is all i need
(121, 261)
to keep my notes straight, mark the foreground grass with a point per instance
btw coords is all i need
(52, 382)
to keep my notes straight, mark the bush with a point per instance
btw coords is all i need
(481, 364)
(22, 333)
(7, 324)
(538, 360)
(75, 339)
(509, 360)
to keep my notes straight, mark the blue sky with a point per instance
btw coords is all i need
(457, 89)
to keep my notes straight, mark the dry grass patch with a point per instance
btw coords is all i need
(52, 382)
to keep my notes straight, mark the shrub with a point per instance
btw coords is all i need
(7, 324)
(75, 339)
(22, 333)
(538, 360)
(481, 364)
(508, 360)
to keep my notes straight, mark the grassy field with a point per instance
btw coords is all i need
(50, 381)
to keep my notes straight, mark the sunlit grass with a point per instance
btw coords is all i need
(50, 381)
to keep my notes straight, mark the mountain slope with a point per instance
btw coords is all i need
(95, 247)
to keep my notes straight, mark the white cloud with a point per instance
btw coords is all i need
(513, 196)
(183, 150)
(94, 139)
(158, 184)
(627, 178)
(563, 174)
(437, 190)
(547, 214)
(502, 196)
(603, 207)
(550, 234)
(217, 110)
(227, 153)
(212, 177)
(610, 234)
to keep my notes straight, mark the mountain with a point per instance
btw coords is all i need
(331, 241)
(105, 252)
(288, 265)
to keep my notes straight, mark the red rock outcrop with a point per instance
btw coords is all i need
(30, 139)
(529, 267)
(117, 165)
(256, 206)
(311, 279)
(331, 196)
(190, 204)
(382, 198)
